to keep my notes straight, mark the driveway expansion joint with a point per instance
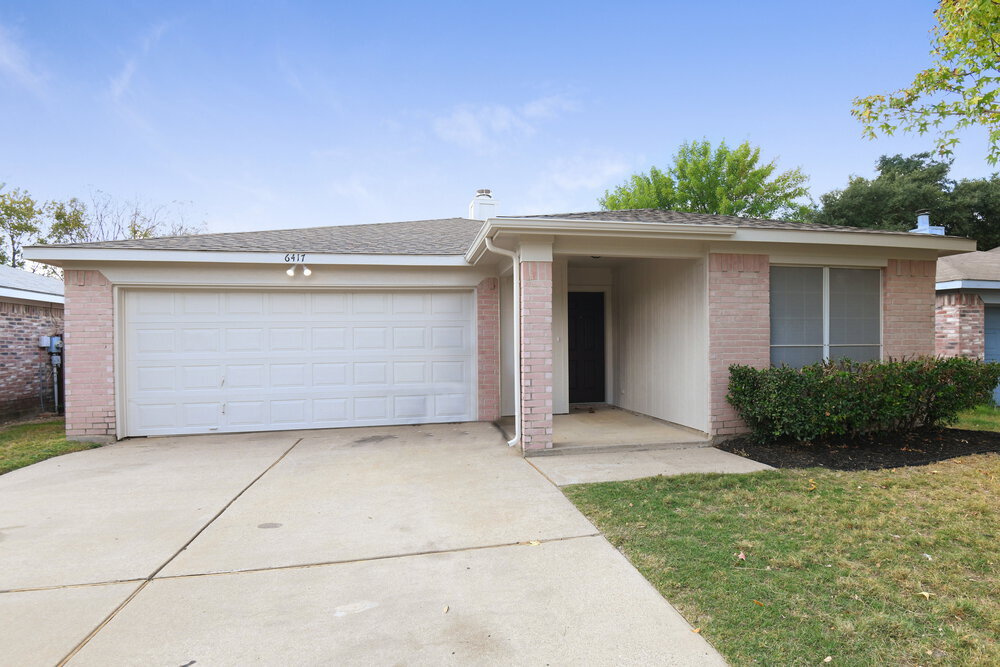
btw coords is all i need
(371, 559)
(145, 582)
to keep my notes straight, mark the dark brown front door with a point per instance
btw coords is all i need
(586, 347)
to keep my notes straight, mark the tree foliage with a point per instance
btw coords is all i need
(20, 223)
(719, 180)
(24, 221)
(905, 185)
(959, 90)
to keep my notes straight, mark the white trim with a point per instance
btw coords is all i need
(52, 254)
(967, 284)
(30, 295)
(493, 227)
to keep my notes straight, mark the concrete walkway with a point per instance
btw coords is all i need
(405, 545)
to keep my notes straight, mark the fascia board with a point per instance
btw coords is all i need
(945, 245)
(28, 295)
(555, 226)
(59, 255)
(967, 284)
(567, 227)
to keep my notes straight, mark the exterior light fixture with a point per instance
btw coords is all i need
(291, 271)
(306, 271)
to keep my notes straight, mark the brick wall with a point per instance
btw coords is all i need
(959, 323)
(739, 328)
(908, 308)
(90, 379)
(25, 369)
(488, 337)
(536, 354)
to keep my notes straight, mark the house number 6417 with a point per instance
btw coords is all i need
(295, 257)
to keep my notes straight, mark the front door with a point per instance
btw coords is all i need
(586, 347)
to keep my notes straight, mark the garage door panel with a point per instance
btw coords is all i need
(240, 361)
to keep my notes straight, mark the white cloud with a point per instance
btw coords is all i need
(483, 128)
(121, 82)
(574, 183)
(17, 66)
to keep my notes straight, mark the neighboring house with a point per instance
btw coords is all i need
(30, 306)
(968, 307)
(415, 322)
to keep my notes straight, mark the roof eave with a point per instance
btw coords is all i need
(600, 228)
(944, 245)
(30, 295)
(59, 256)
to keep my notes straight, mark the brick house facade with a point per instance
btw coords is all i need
(698, 285)
(30, 307)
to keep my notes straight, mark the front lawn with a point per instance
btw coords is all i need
(982, 418)
(896, 566)
(24, 444)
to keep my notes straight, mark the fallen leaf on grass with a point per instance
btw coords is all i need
(812, 485)
(925, 594)
(741, 555)
(758, 602)
(828, 658)
(696, 630)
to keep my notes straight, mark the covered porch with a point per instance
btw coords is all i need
(621, 343)
(597, 428)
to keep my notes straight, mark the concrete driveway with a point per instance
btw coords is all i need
(403, 545)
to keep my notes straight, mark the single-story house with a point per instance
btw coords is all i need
(473, 318)
(31, 306)
(967, 310)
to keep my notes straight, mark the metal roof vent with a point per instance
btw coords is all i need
(483, 205)
(924, 225)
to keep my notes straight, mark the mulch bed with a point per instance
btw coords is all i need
(894, 450)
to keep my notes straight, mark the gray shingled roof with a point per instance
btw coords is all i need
(970, 266)
(680, 218)
(448, 236)
(20, 279)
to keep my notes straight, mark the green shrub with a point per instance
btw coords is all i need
(846, 398)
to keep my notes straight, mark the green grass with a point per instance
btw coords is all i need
(24, 444)
(835, 561)
(982, 418)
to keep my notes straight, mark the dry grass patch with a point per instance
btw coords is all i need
(894, 566)
(24, 444)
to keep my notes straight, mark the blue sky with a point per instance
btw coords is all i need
(288, 114)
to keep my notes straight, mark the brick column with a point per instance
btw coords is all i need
(89, 357)
(908, 308)
(739, 329)
(488, 342)
(536, 354)
(959, 323)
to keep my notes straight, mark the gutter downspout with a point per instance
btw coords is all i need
(516, 264)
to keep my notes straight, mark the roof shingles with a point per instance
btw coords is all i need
(446, 236)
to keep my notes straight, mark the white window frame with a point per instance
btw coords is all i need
(826, 309)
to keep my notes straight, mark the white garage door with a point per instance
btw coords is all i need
(214, 361)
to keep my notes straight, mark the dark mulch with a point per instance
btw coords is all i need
(894, 450)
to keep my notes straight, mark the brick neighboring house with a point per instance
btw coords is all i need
(463, 319)
(967, 307)
(30, 306)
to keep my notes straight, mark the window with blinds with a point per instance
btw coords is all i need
(824, 313)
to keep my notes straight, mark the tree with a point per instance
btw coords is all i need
(905, 185)
(958, 91)
(720, 180)
(20, 223)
